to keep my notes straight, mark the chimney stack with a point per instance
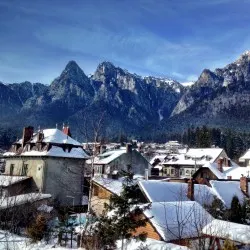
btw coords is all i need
(128, 148)
(190, 193)
(66, 130)
(27, 134)
(244, 184)
(220, 165)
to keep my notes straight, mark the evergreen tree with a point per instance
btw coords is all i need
(235, 211)
(123, 216)
(245, 211)
(217, 209)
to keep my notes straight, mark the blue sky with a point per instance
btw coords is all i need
(173, 38)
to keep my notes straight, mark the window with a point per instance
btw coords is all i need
(11, 169)
(99, 169)
(187, 172)
(182, 171)
(172, 171)
(24, 169)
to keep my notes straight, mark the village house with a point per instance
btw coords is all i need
(176, 214)
(54, 161)
(219, 171)
(185, 165)
(245, 159)
(111, 163)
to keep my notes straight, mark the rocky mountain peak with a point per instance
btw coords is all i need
(72, 74)
(73, 70)
(71, 82)
(106, 70)
(71, 65)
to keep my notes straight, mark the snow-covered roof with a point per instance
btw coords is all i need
(107, 157)
(56, 151)
(246, 156)
(225, 190)
(161, 191)
(54, 135)
(161, 157)
(201, 152)
(234, 171)
(149, 244)
(7, 202)
(198, 156)
(175, 220)
(7, 180)
(156, 191)
(228, 230)
(114, 186)
(214, 169)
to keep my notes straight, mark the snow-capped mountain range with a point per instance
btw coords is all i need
(131, 104)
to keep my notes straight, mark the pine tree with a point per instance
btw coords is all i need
(123, 217)
(217, 209)
(235, 211)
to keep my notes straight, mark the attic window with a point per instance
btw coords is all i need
(208, 158)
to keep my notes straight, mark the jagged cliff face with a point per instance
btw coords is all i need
(9, 102)
(140, 99)
(223, 94)
(129, 102)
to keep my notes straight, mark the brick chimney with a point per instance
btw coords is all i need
(190, 192)
(128, 148)
(27, 134)
(66, 131)
(244, 184)
(220, 165)
(40, 136)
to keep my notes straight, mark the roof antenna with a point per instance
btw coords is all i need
(63, 125)
(56, 125)
(39, 128)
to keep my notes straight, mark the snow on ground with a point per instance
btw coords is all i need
(15, 242)
(149, 244)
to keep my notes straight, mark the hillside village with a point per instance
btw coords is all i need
(197, 198)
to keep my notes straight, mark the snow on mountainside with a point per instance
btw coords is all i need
(187, 84)
(219, 96)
